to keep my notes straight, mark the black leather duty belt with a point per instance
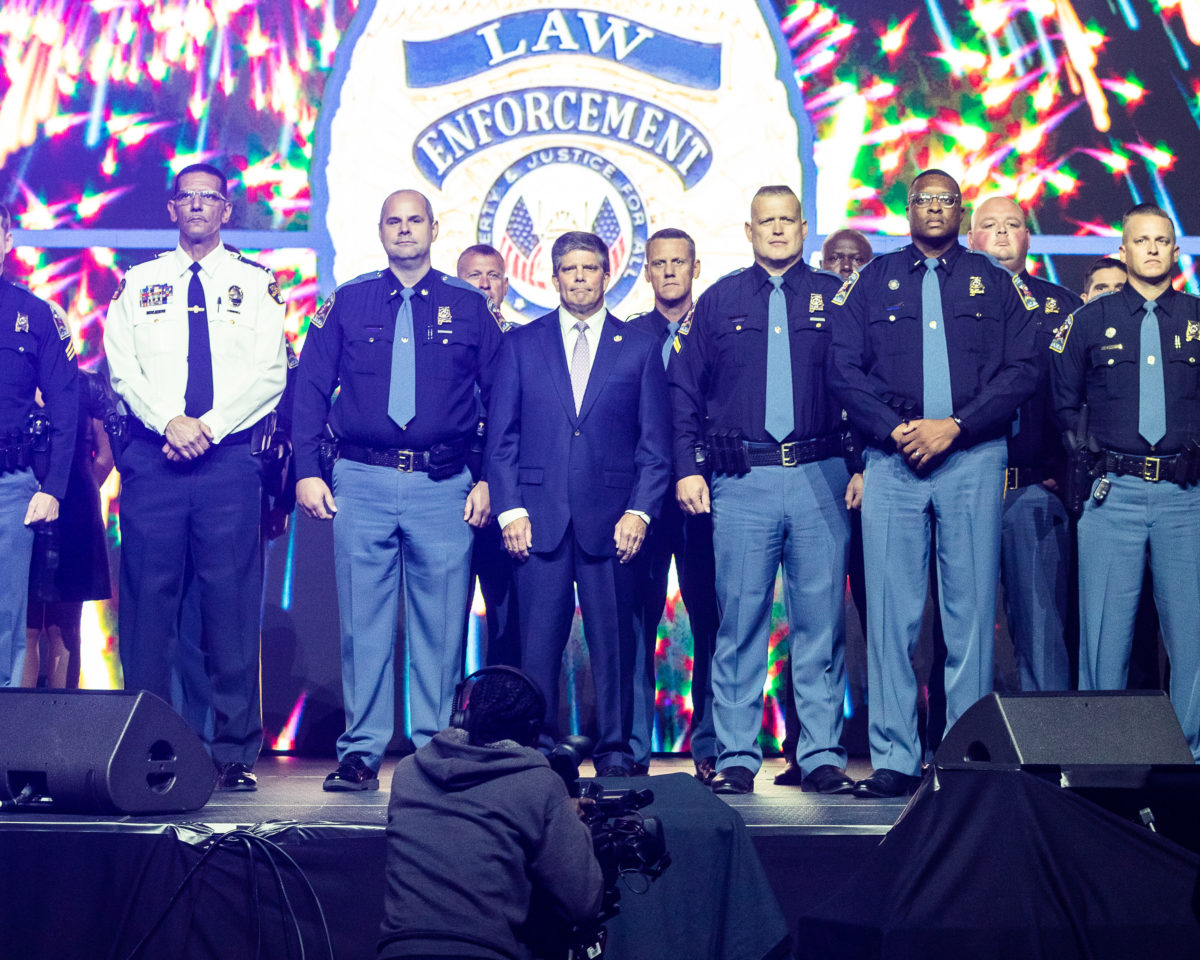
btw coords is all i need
(795, 453)
(406, 461)
(1150, 469)
(1015, 477)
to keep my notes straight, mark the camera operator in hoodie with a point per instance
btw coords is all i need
(479, 825)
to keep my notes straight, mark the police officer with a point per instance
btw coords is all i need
(933, 352)
(35, 352)
(671, 267)
(1035, 541)
(482, 266)
(755, 359)
(195, 349)
(1105, 275)
(1131, 359)
(407, 347)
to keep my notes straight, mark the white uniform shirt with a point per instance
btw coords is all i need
(146, 339)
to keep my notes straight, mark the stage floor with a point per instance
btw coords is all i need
(289, 789)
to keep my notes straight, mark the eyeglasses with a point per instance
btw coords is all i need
(184, 197)
(925, 199)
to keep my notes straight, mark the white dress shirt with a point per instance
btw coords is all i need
(146, 340)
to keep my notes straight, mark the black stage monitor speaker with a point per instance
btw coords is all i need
(87, 751)
(1098, 729)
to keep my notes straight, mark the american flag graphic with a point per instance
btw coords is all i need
(608, 228)
(520, 244)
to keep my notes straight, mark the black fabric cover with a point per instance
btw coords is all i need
(1003, 864)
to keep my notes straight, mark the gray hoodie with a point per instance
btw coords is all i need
(472, 832)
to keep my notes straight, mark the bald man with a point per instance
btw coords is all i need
(1035, 532)
(408, 346)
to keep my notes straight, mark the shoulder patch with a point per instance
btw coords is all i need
(120, 290)
(293, 361)
(322, 313)
(1061, 332)
(273, 290)
(839, 298)
(1024, 293)
(60, 320)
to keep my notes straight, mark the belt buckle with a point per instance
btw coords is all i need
(1011, 478)
(787, 454)
(1146, 473)
(404, 461)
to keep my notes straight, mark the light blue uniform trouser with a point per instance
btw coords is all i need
(388, 520)
(1113, 538)
(1035, 545)
(16, 547)
(964, 494)
(795, 516)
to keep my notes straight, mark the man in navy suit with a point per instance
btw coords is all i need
(578, 462)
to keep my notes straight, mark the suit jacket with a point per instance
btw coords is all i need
(584, 469)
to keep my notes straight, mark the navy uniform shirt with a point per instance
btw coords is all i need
(1095, 359)
(877, 370)
(1035, 441)
(349, 346)
(720, 366)
(36, 351)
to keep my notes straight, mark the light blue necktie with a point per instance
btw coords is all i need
(935, 360)
(672, 329)
(402, 392)
(781, 414)
(1152, 401)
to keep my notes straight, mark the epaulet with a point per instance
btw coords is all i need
(731, 273)
(361, 278)
(159, 256)
(455, 282)
(1061, 332)
(1023, 291)
(839, 298)
(635, 316)
(247, 260)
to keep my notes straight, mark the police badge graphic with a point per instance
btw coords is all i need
(520, 120)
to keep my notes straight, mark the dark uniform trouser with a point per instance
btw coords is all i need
(493, 566)
(689, 541)
(205, 511)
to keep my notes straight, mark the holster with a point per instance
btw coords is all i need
(727, 452)
(447, 459)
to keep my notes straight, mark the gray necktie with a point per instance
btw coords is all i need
(672, 329)
(579, 364)
(935, 361)
(781, 414)
(402, 391)
(1152, 401)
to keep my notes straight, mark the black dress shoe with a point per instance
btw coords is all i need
(236, 776)
(792, 775)
(352, 774)
(613, 770)
(827, 779)
(733, 780)
(706, 769)
(886, 783)
(640, 770)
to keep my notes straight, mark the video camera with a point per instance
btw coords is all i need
(628, 846)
